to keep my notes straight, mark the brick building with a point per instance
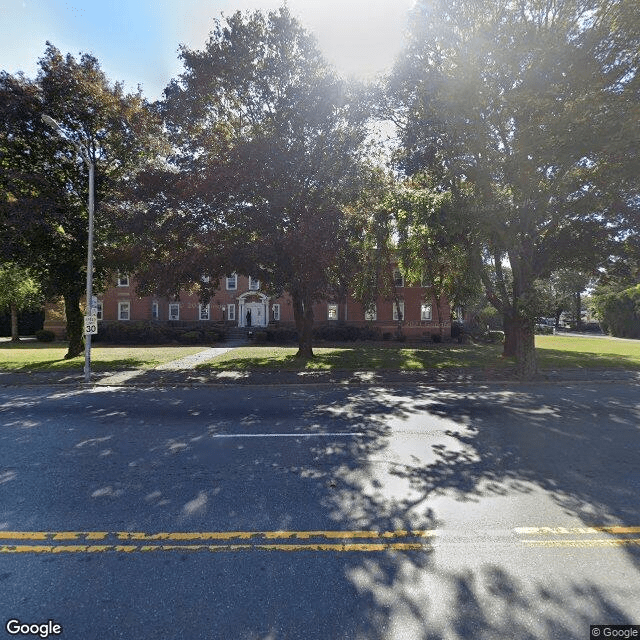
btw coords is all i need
(240, 301)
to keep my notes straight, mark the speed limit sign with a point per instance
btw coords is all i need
(90, 325)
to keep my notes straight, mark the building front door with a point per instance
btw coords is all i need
(253, 315)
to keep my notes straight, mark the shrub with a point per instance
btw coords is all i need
(44, 335)
(344, 333)
(619, 312)
(281, 335)
(436, 337)
(190, 337)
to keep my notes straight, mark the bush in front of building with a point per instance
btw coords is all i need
(44, 335)
(345, 333)
(280, 335)
(144, 332)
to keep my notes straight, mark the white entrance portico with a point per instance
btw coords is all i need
(257, 305)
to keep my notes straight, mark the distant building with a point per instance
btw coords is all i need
(240, 301)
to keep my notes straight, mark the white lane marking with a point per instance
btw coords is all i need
(287, 435)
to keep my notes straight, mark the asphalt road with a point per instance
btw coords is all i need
(409, 512)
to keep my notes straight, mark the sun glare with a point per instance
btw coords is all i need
(360, 37)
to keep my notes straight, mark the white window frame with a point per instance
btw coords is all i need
(332, 312)
(426, 311)
(99, 310)
(233, 281)
(207, 312)
(231, 312)
(254, 285)
(123, 279)
(124, 308)
(172, 306)
(398, 278)
(276, 312)
(395, 310)
(371, 314)
(155, 311)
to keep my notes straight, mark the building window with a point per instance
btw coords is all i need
(232, 282)
(205, 279)
(371, 313)
(254, 285)
(99, 310)
(123, 279)
(155, 313)
(124, 310)
(425, 312)
(424, 281)
(231, 312)
(203, 311)
(395, 311)
(174, 311)
(398, 278)
(332, 312)
(276, 312)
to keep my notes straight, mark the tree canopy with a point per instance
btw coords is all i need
(534, 106)
(266, 144)
(44, 181)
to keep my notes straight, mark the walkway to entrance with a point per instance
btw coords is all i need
(182, 364)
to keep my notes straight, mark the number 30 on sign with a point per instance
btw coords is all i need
(90, 325)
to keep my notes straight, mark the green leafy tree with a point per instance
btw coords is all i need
(18, 291)
(434, 245)
(266, 142)
(532, 105)
(44, 181)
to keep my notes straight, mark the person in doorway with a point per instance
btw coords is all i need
(249, 318)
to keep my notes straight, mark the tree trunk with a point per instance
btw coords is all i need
(15, 335)
(509, 348)
(75, 326)
(526, 365)
(519, 342)
(303, 315)
(579, 325)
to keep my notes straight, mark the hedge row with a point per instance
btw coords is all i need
(620, 313)
(145, 332)
(328, 333)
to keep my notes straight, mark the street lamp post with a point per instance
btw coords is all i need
(86, 157)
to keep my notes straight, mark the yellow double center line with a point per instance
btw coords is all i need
(581, 537)
(212, 541)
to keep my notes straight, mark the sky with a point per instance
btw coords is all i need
(137, 41)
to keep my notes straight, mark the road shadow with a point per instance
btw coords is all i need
(354, 459)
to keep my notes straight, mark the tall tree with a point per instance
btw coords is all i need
(534, 106)
(266, 149)
(44, 181)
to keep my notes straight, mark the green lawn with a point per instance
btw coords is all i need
(587, 353)
(37, 356)
(359, 358)
(553, 352)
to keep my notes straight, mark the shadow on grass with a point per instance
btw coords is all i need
(73, 364)
(357, 358)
